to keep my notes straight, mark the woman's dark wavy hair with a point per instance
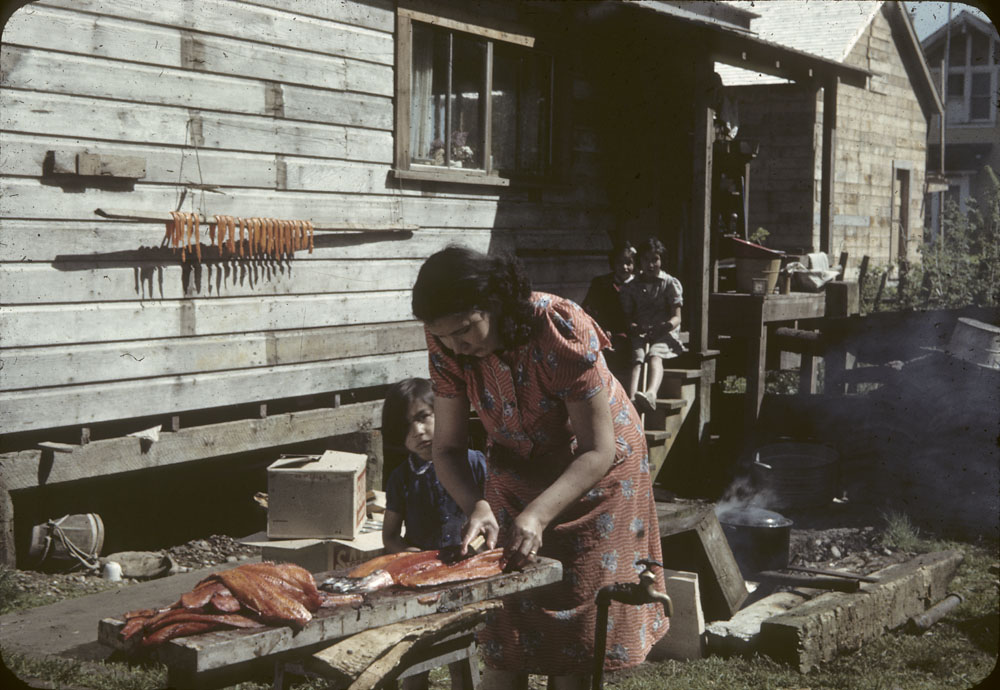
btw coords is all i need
(456, 280)
(651, 245)
(625, 247)
(395, 416)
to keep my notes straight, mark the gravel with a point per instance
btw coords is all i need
(48, 587)
(856, 549)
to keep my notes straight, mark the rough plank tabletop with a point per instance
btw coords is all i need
(218, 649)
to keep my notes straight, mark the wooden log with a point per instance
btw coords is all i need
(371, 656)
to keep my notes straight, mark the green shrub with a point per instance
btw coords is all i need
(959, 269)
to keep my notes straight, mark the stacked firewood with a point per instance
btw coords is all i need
(234, 236)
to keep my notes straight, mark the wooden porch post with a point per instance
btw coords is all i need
(828, 163)
(701, 211)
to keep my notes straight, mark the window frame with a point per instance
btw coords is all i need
(459, 20)
(960, 113)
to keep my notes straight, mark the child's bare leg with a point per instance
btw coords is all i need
(633, 384)
(655, 377)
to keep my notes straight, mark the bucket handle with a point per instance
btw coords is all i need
(56, 532)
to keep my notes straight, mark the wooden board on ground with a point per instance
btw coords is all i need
(693, 541)
(215, 659)
(381, 652)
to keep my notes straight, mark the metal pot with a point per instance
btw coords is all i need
(758, 538)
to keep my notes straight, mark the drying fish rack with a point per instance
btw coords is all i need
(253, 237)
(318, 226)
(220, 657)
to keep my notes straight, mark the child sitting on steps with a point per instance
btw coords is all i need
(652, 305)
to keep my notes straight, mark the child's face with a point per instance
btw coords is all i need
(420, 432)
(649, 264)
(624, 266)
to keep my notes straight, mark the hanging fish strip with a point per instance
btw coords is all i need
(228, 236)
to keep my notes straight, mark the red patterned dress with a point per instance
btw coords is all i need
(520, 397)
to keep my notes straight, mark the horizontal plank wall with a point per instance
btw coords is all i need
(274, 108)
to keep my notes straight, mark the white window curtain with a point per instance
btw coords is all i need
(421, 98)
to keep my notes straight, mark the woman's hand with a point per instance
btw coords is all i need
(525, 541)
(481, 522)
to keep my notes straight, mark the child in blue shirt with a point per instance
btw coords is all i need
(419, 513)
(414, 498)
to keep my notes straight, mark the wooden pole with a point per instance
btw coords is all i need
(828, 163)
(701, 205)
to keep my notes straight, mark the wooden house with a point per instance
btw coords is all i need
(970, 52)
(879, 134)
(539, 128)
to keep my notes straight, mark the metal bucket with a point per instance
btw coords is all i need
(976, 342)
(68, 541)
(760, 539)
(793, 476)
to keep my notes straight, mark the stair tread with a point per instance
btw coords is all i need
(670, 403)
(686, 374)
(657, 435)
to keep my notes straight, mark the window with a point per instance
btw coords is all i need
(980, 100)
(956, 86)
(474, 104)
(973, 77)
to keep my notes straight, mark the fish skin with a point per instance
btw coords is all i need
(333, 600)
(233, 620)
(486, 564)
(202, 594)
(225, 602)
(378, 579)
(394, 563)
(270, 603)
(133, 626)
(282, 579)
(169, 632)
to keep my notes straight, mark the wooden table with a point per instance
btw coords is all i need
(220, 658)
(747, 316)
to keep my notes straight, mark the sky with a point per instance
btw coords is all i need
(928, 16)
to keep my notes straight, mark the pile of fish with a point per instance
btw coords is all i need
(416, 569)
(248, 596)
(255, 595)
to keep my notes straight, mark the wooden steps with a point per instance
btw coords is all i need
(657, 436)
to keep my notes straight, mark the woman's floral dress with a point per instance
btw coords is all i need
(520, 398)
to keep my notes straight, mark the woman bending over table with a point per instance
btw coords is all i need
(567, 464)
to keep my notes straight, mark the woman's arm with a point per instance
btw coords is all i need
(392, 527)
(451, 463)
(594, 429)
(675, 320)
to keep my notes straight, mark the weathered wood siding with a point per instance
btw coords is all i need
(272, 108)
(877, 127)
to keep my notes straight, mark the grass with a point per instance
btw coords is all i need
(959, 651)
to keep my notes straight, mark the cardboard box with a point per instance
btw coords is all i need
(323, 555)
(316, 497)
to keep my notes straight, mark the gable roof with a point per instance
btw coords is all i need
(824, 28)
(830, 29)
(964, 17)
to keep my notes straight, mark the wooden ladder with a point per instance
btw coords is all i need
(675, 400)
